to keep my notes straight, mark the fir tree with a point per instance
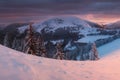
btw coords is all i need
(59, 54)
(41, 49)
(94, 53)
(30, 42)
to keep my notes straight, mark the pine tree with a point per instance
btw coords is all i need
(94, 53)
(38, 41)
(30, 42)
(41, 49)
(59, 54)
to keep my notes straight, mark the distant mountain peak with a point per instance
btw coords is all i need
(114, 25)
(59, 22)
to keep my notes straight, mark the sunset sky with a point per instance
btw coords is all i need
(101, 11)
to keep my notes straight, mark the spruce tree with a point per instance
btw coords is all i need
(30, 42)
(42, 48)
(34, 45)
(94, 52)
(59, 54)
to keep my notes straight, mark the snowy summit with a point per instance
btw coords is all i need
(58, 22)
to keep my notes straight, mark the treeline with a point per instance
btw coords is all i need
(60, 33)
(101, 42)
(106, 32)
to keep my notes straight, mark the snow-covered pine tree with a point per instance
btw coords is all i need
(30, 42)
(59, 54)
(93, 53)
(41, 49)
(38, 46)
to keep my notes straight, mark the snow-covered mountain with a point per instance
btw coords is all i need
(15, 65)
(115, 25)
(64, 27)
(67, 23)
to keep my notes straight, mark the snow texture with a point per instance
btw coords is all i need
(15, 65)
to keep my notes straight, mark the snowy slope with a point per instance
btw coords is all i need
(15, 65)
(92, 39)
(58, 22)
(110, 49)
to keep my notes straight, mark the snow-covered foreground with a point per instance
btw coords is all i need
(15, 65)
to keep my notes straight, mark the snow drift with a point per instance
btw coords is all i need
(15, 65)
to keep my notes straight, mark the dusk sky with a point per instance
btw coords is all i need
(101, 11)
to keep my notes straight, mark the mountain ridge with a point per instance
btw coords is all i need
(114, 25)
(59, 22)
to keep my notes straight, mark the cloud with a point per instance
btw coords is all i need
(59, 6)
(30, 8)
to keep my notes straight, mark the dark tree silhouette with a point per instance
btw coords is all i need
(41, 49)
(30, 42)
(59, 54)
